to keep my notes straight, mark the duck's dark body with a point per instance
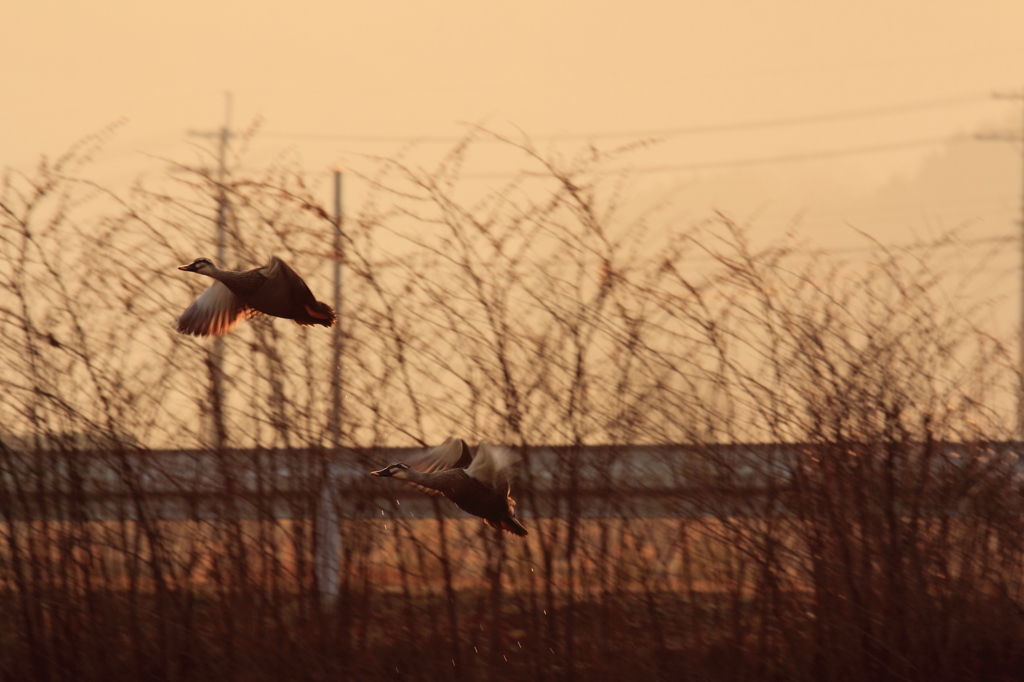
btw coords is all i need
(470, 495)
(284, 294)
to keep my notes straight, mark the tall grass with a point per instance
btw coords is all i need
(758, 463)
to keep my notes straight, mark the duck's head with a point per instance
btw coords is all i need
(203, 266)
(396, 470)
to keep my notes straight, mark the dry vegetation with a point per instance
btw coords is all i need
(881, 540)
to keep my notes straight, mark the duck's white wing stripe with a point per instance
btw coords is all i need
(214, 313)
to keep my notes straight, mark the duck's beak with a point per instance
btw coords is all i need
(382, 472)
(191, 267)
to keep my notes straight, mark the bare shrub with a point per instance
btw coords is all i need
(740, 463)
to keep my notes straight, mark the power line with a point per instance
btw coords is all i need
(850, 114)
(798, 120)
(755, 161)
(805, 156)
(915, 246)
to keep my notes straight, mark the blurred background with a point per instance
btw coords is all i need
(741, 284)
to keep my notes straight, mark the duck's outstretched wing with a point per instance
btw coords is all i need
(216, 312)
(451, 454)
(492, 464)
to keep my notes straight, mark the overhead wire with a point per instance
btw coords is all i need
(753, 161)
(849, 114)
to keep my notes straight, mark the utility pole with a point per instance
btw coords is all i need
(337, 395)
(1019, 139)
(215, 361)
(327, 560)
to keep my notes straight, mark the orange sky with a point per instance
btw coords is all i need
(778, 114)
(873, 74)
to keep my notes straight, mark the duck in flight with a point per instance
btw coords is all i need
(475, 482)
(274, 289)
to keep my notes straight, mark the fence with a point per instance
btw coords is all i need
(634, 481)
(828, 561)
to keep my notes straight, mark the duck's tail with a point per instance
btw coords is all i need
(512, 525)
(509, 524)
(319, 313)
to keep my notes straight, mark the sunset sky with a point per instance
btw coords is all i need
(761, 110)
